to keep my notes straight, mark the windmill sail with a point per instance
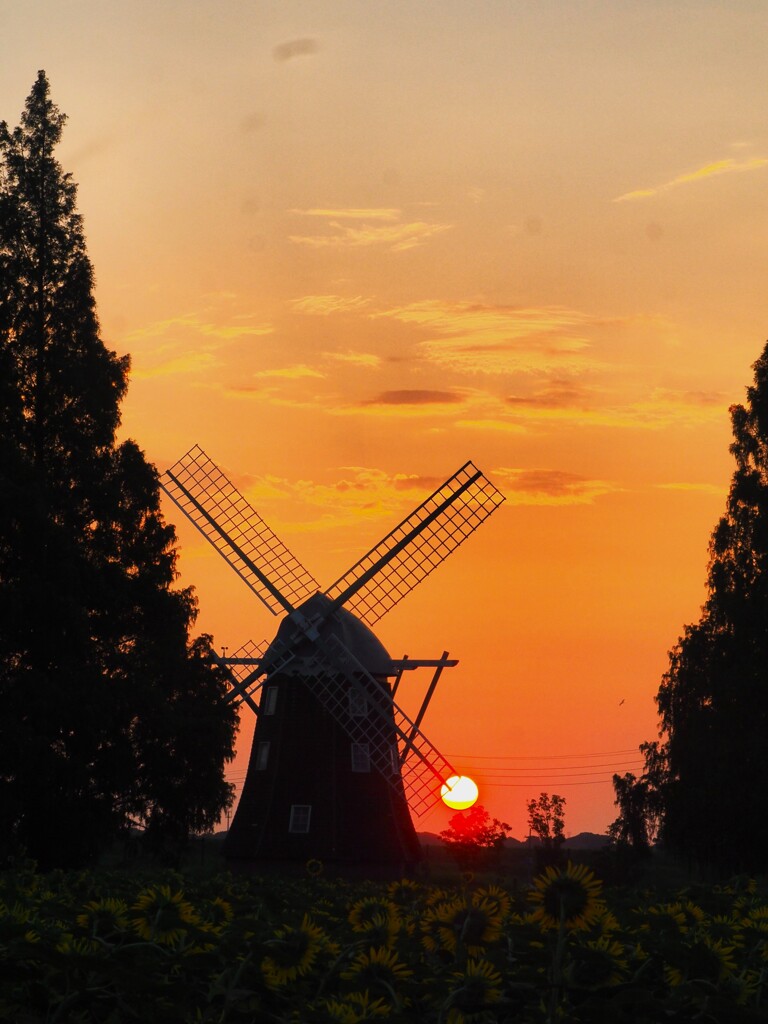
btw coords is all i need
(221, 513)
(418, 545)
(385, 729)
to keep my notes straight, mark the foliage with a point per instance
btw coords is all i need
(171, 949)
(637, 825)
(711, 769)
(472, 834)
(109, 712)
(546, 821)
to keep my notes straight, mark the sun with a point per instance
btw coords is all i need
(459, 792)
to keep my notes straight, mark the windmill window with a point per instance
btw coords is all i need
(270, 700)
(262, 756)
(361, 757)
(358, 704)
(300, 814)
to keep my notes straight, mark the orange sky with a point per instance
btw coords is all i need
(350, 245)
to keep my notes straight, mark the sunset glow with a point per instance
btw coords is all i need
(350, 246)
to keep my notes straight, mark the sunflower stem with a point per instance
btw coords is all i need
(557, 968)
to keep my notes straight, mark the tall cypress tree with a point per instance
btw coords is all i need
(711, 768)
(110, 713)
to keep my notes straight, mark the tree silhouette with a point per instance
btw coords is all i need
(711, 768)
(636, 826)
(109, 712)
(473, 834)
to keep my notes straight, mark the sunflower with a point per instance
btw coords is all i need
(495, 896)
(292, 952)
(570, 898)
(704, 959)
(666, 919)
(162, 916)
(477, 988)
(727, 928)
(598, 962)
(356, 1008)
(71, 945)
(379, 970)
(381, 930)
(363, 912)
(403, 893)
(471, 924)
(314, 867)
(605, 924)
(216, 913)
(107, 916)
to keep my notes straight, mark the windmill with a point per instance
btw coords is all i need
(335, 763)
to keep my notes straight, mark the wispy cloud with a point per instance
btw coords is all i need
(727, 166)
(415, 396)
(326, 305)
(550, 487)
(187, 344)
(477, 338)
(558, 394)
(356, 494)
(374, 227)
(694, 488)
(366, 360)
(352, 213)
(289, 372)
(188, 363)
(196, 323)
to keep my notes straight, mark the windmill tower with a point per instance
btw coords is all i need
(336, 765)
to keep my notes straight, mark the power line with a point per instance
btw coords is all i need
(542, 757)
(547, 771)
(526, 785)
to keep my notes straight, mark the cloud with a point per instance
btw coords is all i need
(692, 488)
(396, 237)
(550, 487)
(558, 395)
(171, 349)
(357, 493)
(289, 372)
(415, 396)
(363, 359)
(393, 234)
(325, 305)
(706, 399)
(727, 166)
(190, 362)
(352, 213)
(475, 338)
(195, 322)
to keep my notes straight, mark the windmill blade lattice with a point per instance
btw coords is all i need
(221, 513)
(417, 546)
(245, 672)
(424, 770)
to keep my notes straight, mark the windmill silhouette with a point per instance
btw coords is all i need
(335, 762)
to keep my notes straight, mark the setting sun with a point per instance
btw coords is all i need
(459, 792)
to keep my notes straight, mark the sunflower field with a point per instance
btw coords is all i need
(112, 947)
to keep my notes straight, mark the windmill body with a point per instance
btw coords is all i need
(311, 791)
(336, 765)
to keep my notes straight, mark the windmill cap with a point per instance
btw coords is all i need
(358, 639)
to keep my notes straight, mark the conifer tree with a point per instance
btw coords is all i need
(110, 713)
(711, 768)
